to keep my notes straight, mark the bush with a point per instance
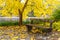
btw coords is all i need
(56, 26)
(56, 14)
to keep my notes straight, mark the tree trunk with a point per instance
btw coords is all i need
(20, 17)
(21, 13)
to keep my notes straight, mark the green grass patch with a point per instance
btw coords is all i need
(8, 23)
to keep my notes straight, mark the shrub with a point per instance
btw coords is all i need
(56, 14)
(56, 26)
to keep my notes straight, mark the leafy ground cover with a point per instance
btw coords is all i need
(20, 33)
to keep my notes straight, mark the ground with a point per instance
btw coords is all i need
(20, 33)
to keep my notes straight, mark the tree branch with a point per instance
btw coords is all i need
(20, 13)
(24, 6)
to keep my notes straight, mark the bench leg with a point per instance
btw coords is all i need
(29, 28)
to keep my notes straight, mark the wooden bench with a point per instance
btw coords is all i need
(47, 30)
(43, 29)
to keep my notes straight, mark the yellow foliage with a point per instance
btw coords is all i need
(38, 6)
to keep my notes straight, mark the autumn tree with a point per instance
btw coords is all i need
(22, 7)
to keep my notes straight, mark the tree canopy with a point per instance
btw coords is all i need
(40, 7)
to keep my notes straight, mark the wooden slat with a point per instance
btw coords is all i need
(41, 19)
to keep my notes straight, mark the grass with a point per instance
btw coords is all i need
(11, 23)
(8, 23)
